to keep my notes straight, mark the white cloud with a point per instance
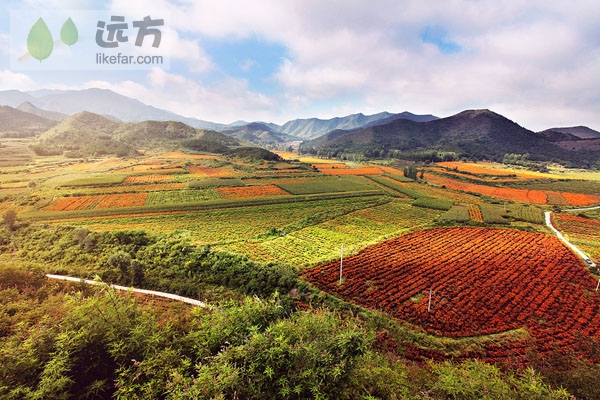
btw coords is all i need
(534, 58)
(12, 80)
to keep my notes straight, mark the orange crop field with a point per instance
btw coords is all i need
(248, 192)
(475, 213)
(578, 199)
(519, 195)
(147, 187)
(148, 178)
(481, 281)
(391, 170)
(474, 169)
(220, 172)
(321, 166)
(97, 202)
(352, 171)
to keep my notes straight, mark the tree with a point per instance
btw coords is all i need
(410, 172)
(122, 261)
(137, 271)
(10, 219)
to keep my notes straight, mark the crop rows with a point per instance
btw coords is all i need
(211, 172)
(352, 171)
(584, 232)
(475, 213)
(482, 281)
(250, 192)
(519, 195)
(98, 202)
(322, 242)
(148, 178)
(181, 196)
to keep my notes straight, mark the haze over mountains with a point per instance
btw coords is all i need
(110, 104)
(473, 134)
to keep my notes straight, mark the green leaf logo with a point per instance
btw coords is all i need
(39, 41)
(68, 32)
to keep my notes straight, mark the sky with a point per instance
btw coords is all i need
(535, 62)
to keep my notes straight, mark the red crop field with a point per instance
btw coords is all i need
(482, 281)
(249, 192)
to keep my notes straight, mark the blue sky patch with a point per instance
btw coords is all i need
(250, 58)
(438, 36)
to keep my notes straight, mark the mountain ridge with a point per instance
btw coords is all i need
(473, 134)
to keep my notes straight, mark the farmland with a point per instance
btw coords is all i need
(494, 291)
(481, 281)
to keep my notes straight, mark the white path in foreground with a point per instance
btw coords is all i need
(134, 290)
(547, 216)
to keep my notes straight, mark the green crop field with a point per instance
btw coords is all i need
(181, 196)
(328, 184)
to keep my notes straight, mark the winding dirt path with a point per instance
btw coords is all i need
(134, 290)
(548, 218)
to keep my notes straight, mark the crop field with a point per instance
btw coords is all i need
(227, 225)
(181, 196)
(98, 202)
(318, 243)
(250, 192)
(481, 281)
(326, 185)
(211, 172)
(475, 213)
(398, 186)
(364, 170)
(512, 194)
(102, 180)
(134, 179)
(584, 232)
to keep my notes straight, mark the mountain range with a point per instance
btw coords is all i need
(88, 134)
(56, 103)
(119, 125)
(472, 134)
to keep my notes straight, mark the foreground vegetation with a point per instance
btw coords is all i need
(239, 231)
(65, 341)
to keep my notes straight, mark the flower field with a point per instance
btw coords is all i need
(98, 202)
(482, 281)
(250, 192)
